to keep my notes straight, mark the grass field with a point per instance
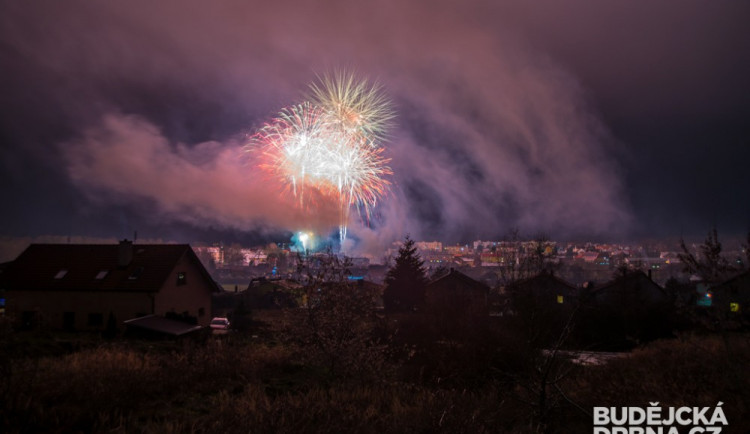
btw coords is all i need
(263, 380)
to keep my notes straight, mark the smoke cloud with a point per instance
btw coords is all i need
(127, 158)
(492, 132)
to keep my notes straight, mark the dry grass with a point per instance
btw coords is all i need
(235, 384)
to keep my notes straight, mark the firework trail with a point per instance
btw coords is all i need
(331, 145)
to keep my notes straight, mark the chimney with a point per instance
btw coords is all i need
(124, 253)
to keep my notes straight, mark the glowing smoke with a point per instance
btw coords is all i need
(491, 133)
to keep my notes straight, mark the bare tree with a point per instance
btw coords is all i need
(524, 259)
(336, 330)
(547, 364)
(708, 262)
(233, 255)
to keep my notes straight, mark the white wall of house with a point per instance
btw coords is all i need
(191, 295)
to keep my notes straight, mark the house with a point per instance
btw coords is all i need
(456, 291)
(731, 299)
(545, 289)
(633, 289)
(627, 311)
(79, 286)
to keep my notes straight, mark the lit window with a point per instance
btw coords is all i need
(734, 307)
(102, 274)
(60, 274)
(705, 300)
(560, 299)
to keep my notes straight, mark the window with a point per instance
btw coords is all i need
(60, 274)
(136, 273)
(102, 274)
(96, 320)
(69, 321)
(28, 319)
(181, 278)
(734, 307)
(704, 300)
(560, 299)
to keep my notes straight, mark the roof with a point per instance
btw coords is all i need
(456, 278)
(541, 282)
(742, 279)
(737, 287)
(162, 325)
(631, 278)
(631, 283)
(94, 267)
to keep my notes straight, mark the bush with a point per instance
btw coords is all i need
(694, 371)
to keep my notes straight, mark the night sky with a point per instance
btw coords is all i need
(610, 120)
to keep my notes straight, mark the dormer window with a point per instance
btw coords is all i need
(60, 274)
(102, 274)
(181, 278)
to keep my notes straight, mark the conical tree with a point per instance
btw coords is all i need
(406, 280)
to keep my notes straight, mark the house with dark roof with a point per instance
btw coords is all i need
(79, 286)
(629, 310)
(544, 289)
(458, 292)
(731, 299)
(635, 287)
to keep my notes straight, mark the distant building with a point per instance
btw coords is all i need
(78, 286)
(253, 256)
(216, 253)
(425, 246)
(589, 257)
(456, 250)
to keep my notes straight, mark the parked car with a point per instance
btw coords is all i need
(220, 324)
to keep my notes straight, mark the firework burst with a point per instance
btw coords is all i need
(360, 109)
(291, 146)
(331, 145)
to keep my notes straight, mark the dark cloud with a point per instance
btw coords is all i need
(571, 118)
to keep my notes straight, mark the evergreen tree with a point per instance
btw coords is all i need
(406, 280)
